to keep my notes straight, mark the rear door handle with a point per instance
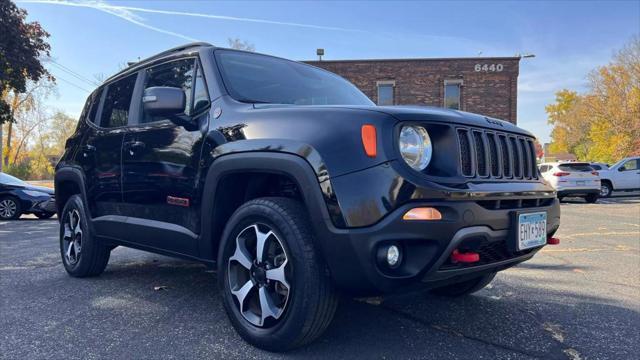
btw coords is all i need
(134, 147)
(88, 149)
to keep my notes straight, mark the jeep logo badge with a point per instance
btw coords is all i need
(494, 122)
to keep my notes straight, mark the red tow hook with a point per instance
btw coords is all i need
(468, 257)
(553, 241)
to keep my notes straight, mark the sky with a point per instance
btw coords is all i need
(94, 39)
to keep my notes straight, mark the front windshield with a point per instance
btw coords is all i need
(256, 78)
(10, 180)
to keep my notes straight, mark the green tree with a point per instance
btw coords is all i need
(21, 46)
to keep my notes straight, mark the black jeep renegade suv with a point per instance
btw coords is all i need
(295, 186)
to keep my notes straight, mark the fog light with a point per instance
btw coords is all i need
(393, 255)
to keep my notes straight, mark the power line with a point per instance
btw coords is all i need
(72, 84)
(73, 73)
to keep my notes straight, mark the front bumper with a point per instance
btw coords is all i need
(427, 246)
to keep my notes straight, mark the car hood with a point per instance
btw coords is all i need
(43, 189)
(423, 113)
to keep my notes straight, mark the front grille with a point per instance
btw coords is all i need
(514, 203)
(489, 154)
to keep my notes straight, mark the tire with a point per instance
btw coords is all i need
(82, 253)
(560, 198)
(464, 288)
(300, 316)
(591, 198)
(605, 189)
(10, 208)
(45, 216)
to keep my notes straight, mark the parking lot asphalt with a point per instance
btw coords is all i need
(578, 300)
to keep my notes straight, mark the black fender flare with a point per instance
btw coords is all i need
(293, 166)
(75, 175)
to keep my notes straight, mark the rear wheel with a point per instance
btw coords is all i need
(465, 287)
(10, 208)
(82, 253)
(276, 289)
(591, 198)
(605, 189)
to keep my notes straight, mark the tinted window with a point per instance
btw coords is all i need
(95, 103)
(575, 167)
(178, 74)
(264, 79)
(115, 111)
(544, 168)
(200, 95)
(452, 96)
(630, 165)
(596, 167)
(385, 94)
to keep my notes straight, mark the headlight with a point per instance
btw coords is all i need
(35, 193)
(415, 146)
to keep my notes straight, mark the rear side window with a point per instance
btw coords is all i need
(596, 167)
(575, 167)
(115, 111)
(178, 74)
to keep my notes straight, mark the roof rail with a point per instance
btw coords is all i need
(159, 55)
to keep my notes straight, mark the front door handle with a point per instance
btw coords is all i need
(134, 147)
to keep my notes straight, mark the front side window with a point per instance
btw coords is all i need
(115, 111)
(385, 93)
(630, 165)
(255, 78)
(200, 94)
(452, 94)
(178, 74)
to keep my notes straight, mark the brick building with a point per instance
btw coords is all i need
(486, 86)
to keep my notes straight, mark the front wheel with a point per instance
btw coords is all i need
(466, 287)
(83, 255)
(605, 189)
(276, 289)
(9, 208)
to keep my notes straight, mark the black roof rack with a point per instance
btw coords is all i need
(159, 55)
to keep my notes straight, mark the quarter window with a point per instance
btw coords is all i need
(178, 74)
(115, 111)
(95, 102)
(200, 95)
(452, 94)
(385, 93)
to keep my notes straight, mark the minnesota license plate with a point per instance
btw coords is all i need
(532, 230)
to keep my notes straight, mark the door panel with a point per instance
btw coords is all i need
(161, 166)
(101, 149)
(629, 178)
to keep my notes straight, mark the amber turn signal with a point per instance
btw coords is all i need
(369, 140)
(423, 213)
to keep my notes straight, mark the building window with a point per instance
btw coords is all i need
(385, 92)
(452, 90)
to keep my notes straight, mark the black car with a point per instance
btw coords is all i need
(18, 197)
(296, 187)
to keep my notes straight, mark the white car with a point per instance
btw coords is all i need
(572, 179)
(621, 176)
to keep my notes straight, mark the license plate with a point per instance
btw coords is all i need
(581, 183)
(532, 230)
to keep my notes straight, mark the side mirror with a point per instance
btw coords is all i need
(621, 168)
(163, 101)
